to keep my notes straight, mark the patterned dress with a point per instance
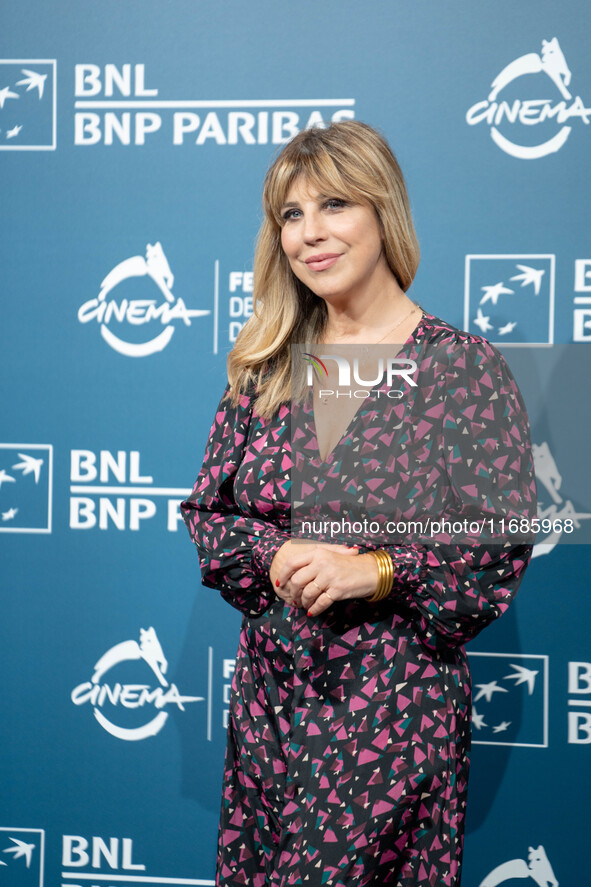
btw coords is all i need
(349, 734)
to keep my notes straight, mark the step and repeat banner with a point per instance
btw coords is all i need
(134, 138)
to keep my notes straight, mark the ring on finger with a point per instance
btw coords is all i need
(317, 586)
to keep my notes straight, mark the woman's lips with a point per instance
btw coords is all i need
(322, 261)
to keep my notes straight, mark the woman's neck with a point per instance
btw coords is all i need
(355, 322)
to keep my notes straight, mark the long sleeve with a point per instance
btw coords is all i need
(235, 544)
(451, 592)
(454, 587)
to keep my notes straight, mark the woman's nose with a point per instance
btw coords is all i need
(314, 227)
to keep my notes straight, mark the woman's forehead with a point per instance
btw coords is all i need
(305, 186)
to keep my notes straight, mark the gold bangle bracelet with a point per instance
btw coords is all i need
(382, 579)
(378, 590)
(378, 560)
(385, 589)
(388, 578)
(389, 574)
(385, 575)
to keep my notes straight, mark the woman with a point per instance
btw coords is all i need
(347, 755)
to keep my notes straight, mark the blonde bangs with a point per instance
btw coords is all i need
(319, 171)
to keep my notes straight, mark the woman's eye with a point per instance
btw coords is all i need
(335, 203)
(290, 214)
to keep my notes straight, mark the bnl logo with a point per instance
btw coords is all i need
(21, 857)
(25, 488)
(27, 104)
(509, 699)
(582, 310)
(510, 298)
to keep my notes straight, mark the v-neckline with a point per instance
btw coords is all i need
(411, 340)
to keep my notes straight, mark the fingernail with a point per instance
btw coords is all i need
(277, 583)
(309, 613)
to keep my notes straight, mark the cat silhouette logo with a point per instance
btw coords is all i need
(26, 475)
(22, 853)
(132, 314)
(555, 508)
(536, 869)
(509, 298)
(123, 701)
(535, 118)
(27, 104)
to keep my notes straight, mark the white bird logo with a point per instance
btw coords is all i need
(483, 322)
(10, 514)
(523, 675)
(478, 720)
(493, 292)
(508, 328)
(487, 690)
(33, 80)
(29, 465)
(6, 93)
(21, 849)
(500, 728)
(530, 275)
(4, 477)
(12, 133)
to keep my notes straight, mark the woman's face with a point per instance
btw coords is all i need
(333, 246)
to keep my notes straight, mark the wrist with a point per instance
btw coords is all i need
(265, 551)
(370, 574)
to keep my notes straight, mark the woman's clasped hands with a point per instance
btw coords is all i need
(313, 575)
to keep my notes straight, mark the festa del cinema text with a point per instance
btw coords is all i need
(113, 105)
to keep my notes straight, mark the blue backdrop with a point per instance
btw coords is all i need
(133, 142)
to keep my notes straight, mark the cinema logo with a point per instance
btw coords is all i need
(130, 314)
(556, 514)
(536, 868)
(522, 115)
(339, 381)
(110, 698)
(114, 105)
(108, 491)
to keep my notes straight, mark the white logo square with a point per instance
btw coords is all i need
(28, 104)
(26, 483)
(509, 298)
(509, 699)
(22, 852)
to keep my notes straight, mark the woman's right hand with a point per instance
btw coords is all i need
(289, 558)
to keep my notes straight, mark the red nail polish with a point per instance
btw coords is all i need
(277, 583)
(309, 613)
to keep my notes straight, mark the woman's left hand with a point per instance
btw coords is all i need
(318, 577)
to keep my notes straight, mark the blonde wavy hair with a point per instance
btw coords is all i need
(348, 160)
